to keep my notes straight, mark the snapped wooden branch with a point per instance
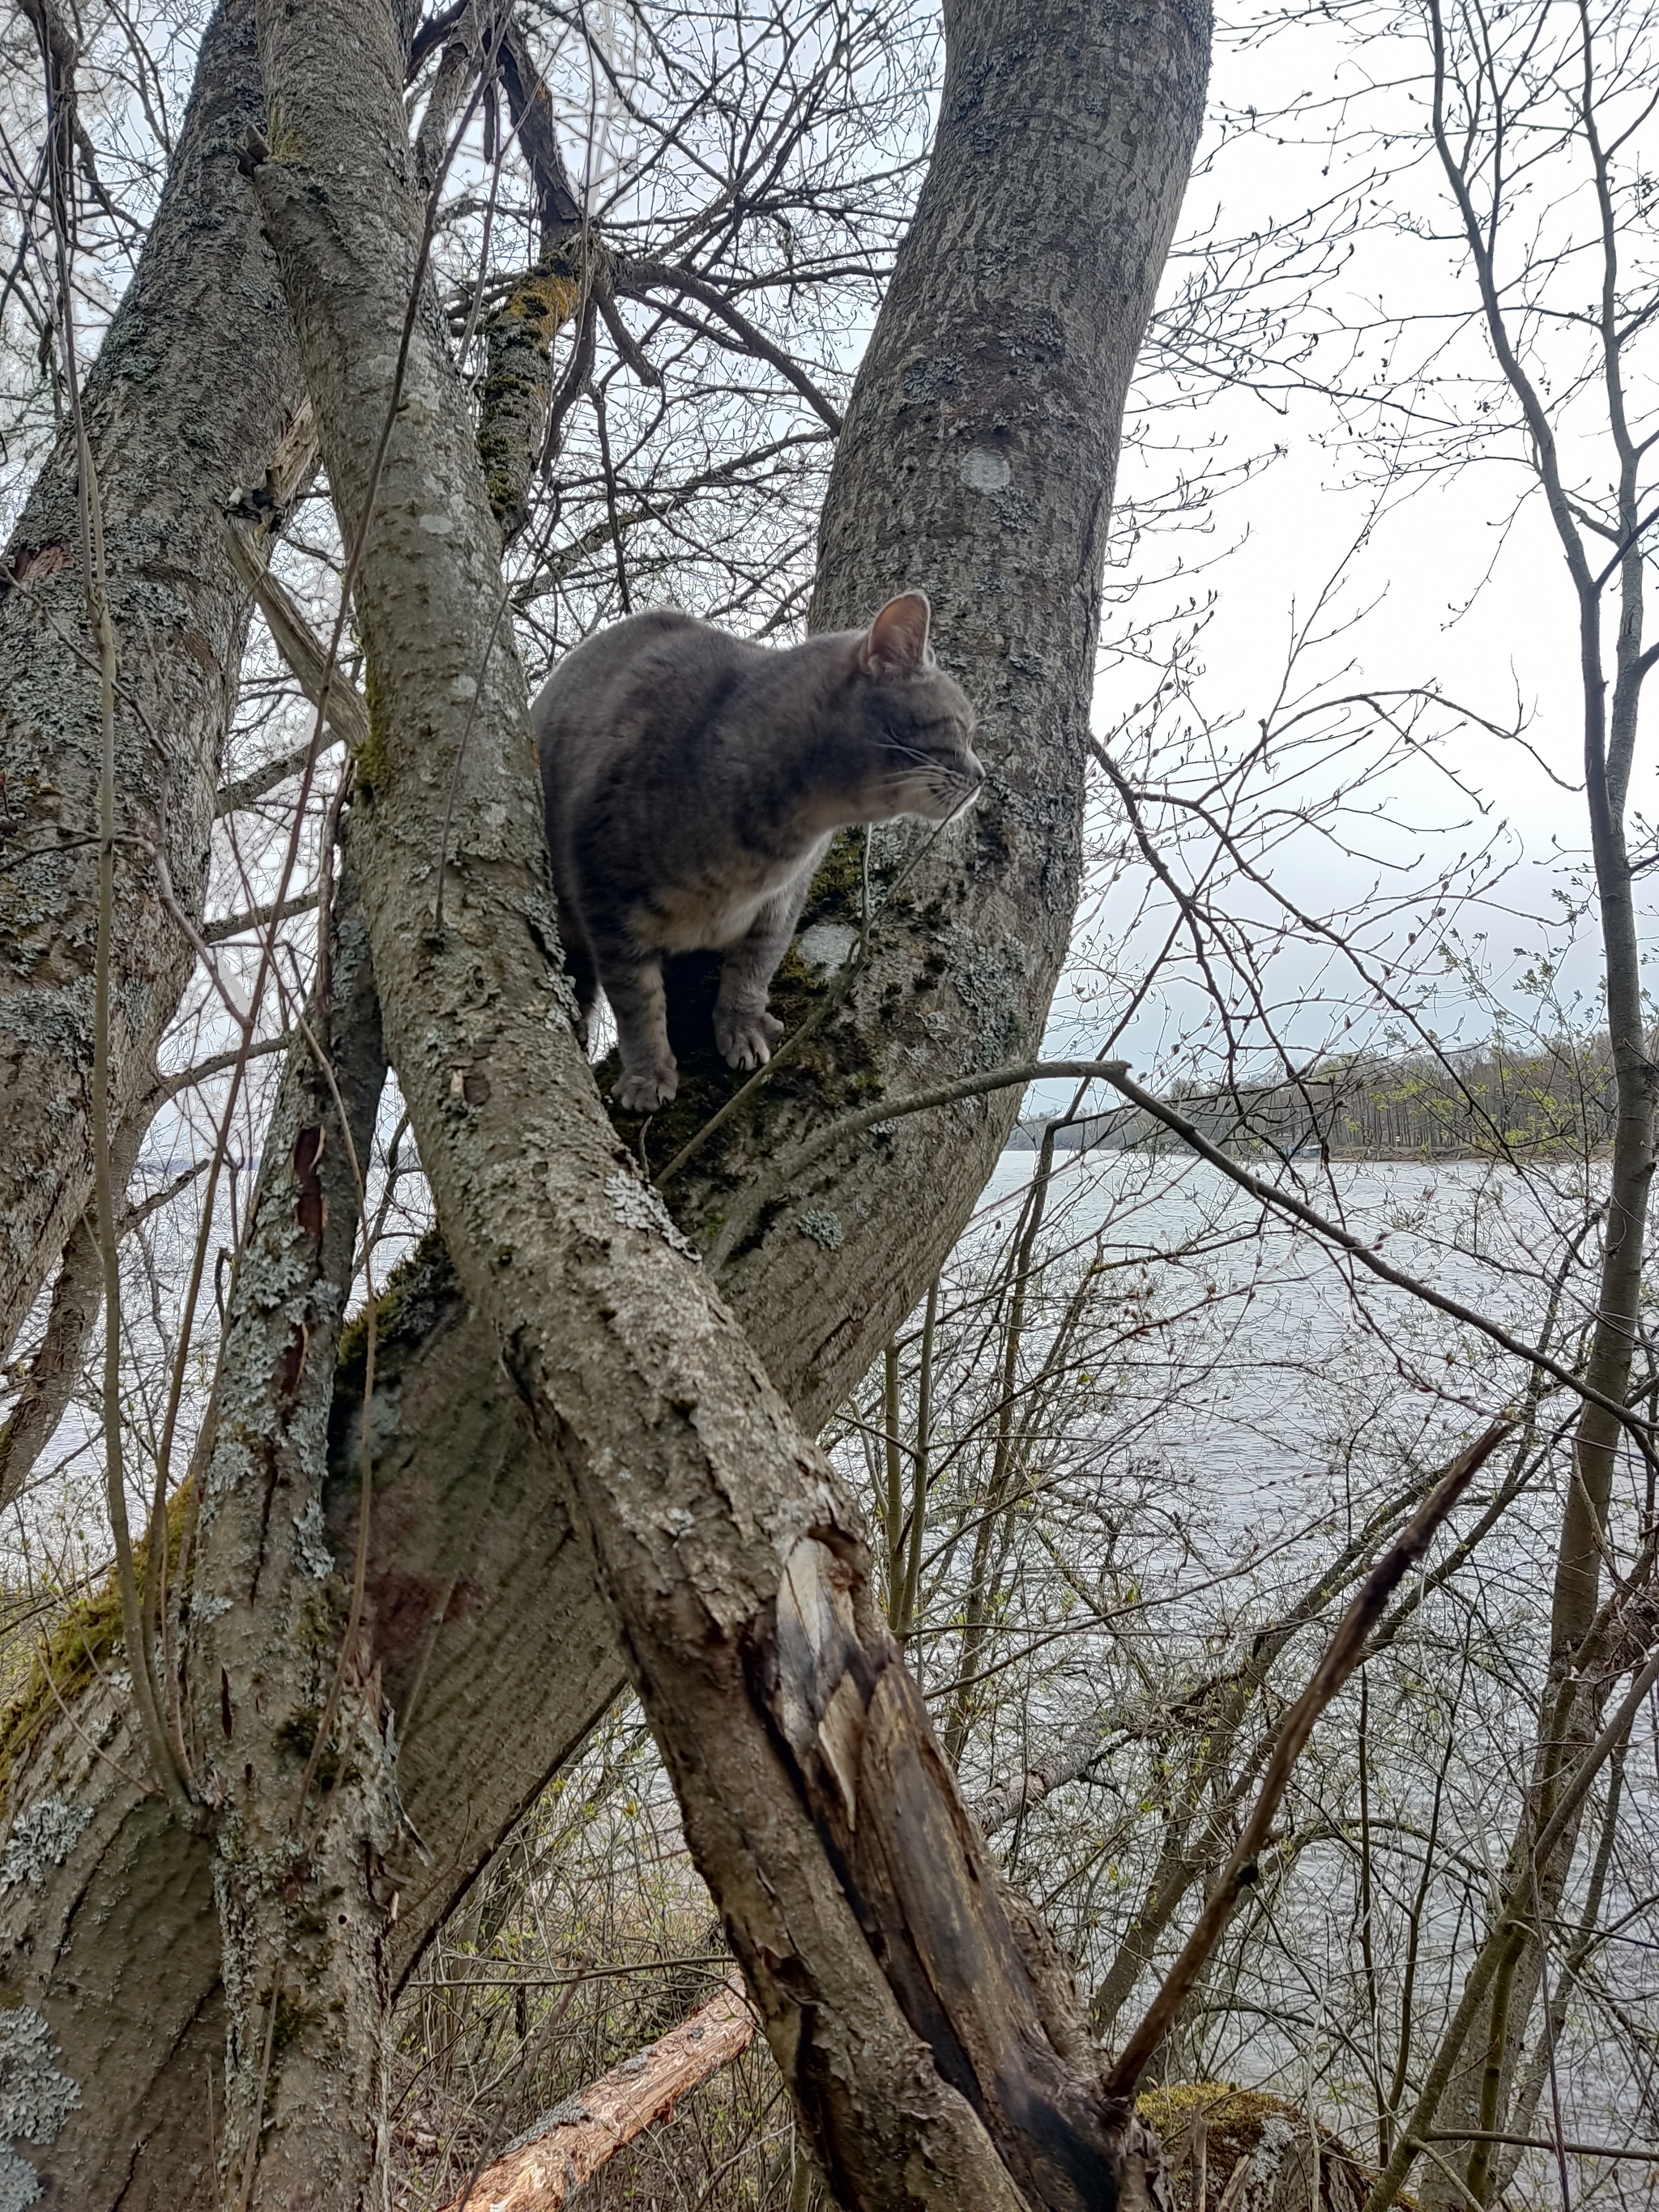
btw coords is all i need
(571, 2143)
(599, 2120)
(344, 711)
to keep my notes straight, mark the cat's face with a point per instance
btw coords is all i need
(918, 724)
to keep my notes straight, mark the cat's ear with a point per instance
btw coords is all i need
(895, 643)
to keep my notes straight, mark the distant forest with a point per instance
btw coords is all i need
(1473, 1103)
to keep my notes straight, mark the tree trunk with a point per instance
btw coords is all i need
(290, 1760)
(193, 386)
(496, 1654)
(1482, 2067)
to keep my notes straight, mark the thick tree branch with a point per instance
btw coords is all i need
(205, 301)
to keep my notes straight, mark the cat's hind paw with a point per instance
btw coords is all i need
(642, 1089)
(746, 1036)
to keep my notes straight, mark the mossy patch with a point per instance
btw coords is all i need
(416, 1291)
(297, 1735)
(1231, 2114)
(374, 761)
(83, 1643)
(1236, 2120)
(517, 342)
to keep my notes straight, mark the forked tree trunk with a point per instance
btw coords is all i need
(930, 2040)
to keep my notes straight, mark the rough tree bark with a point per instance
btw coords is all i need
(193, 386)
(1115, 105)
(290, 1763)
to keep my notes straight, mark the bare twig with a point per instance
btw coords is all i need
(1342, 1654)
(1285, 1202)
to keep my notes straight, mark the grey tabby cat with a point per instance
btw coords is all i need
(693, 784)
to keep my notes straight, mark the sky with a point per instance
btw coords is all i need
(1459, 583)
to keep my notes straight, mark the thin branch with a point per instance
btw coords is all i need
(258, 917)
(1537, 2142)
(1368, 1258)
(344, 713)
(941, 1094)
(222, 1062)
(249, 789)
(1342, 1654)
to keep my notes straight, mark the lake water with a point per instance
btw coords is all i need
(1303, 1341)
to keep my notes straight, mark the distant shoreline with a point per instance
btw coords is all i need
(1342, 1154)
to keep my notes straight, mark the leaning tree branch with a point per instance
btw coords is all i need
(1342, 1654)
(309, 661)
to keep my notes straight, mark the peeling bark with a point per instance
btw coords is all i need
(195, 380)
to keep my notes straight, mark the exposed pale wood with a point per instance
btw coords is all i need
(574, 2140)
(307, 656)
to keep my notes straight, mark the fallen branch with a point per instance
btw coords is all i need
(1016, 1793)
(723, 2029)
(571, 2143)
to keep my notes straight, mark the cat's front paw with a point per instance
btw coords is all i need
(642, 1089)
(745, 1036)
